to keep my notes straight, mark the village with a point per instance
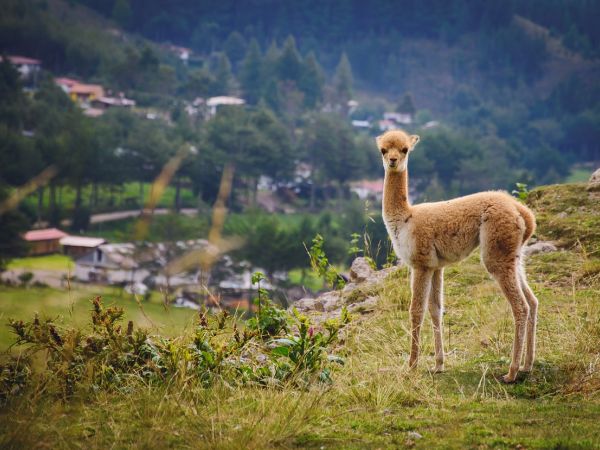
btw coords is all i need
(141, 267)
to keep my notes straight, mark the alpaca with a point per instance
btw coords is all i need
(429, 236)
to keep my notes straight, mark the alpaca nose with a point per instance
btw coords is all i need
(393, 160)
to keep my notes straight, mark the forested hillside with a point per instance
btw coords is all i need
(500, 92)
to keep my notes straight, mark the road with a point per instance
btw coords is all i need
(120, 215)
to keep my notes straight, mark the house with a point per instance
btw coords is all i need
(77, 246)
(182, 53)
(385, 125)
(368, 189)
(398, 118)
(110, 102)
(29, 68)
(86, 93)
(44, 241)
(214, 103)
(110, 263)
(65, 83)
(361, 124)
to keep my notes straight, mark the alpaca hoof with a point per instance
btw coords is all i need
(525, 369)
(508, 378)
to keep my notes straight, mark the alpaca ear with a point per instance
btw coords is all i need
(378, 140)
(414, 139)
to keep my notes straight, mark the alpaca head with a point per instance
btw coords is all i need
(395, 145)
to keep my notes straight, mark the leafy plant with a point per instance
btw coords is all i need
(269, 320)
(522, 193)
(320, 264)
(307, 351)
(108, 356)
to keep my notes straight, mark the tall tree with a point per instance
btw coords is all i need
(311, 82)
(343, 81)
(290, 62)
(235, 47)
(223, 76)
(406, 105)
(252, 73)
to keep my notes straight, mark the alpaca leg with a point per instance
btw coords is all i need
(532, 301)
(436, 310)
(420, 286)
(510, 284)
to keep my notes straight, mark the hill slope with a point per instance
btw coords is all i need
(374, 401)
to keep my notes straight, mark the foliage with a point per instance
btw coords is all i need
(269, 320)
(108, 356)
(521, 192)
(320, 263)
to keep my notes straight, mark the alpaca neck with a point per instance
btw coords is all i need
(395, 194)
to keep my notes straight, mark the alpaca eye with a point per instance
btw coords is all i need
(383, 151)
(405, 150)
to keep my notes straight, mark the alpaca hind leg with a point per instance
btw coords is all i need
(420, 286)
(509, 283)
(532, 301)
(436, 310)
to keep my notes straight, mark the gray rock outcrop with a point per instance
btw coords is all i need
(594, 182)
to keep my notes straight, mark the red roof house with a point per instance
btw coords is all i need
(42, 242)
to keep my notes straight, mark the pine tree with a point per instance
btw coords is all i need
(235, 47)
(312, 81)
(252, 73)
(290, 63)
(343, 81)
(223, 75)
(406, 105)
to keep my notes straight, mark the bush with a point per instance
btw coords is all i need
(108, 356)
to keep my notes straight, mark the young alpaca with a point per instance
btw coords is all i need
(430, 236)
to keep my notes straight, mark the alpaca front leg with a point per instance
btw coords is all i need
(420, 286)
(436, 310)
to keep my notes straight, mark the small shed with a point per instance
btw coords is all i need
(44, 241)
(76, 246)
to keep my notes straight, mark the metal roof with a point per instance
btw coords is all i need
(81, 241)
(45, 234)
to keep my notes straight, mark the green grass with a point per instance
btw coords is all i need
(310, 281)
(113, 198)
(374, 401)
(73, 308)
(48, 262)
(579, 175)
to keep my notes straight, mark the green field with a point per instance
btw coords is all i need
(113, 198)
(48, 262)
(73, 308)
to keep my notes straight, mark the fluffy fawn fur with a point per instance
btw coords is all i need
(429, 236)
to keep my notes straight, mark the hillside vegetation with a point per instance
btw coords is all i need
(373, 400)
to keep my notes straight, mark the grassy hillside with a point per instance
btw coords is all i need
(374, 401)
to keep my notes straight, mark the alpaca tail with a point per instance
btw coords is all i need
(529, 219)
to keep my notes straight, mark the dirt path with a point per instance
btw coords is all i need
(120, 215)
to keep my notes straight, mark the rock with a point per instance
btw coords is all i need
(414, 435)
(594, 182)
(331, 300)
(359, 295)
(361, 270)
(539, 247)
(308, 304)
(365, 306)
